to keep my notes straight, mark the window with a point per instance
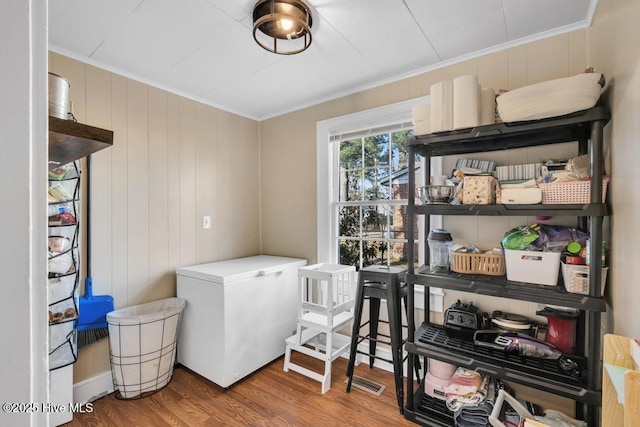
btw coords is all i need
(362, 186)
(371, 196)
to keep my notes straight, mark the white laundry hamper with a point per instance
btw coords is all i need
(142, 344)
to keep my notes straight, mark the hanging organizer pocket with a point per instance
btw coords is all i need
(66, 353)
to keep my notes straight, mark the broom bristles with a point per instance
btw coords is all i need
(90, 336)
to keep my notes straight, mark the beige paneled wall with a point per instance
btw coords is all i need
(173, 160)
(613, 46)
(288, 142)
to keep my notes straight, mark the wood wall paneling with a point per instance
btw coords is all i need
(208, 161)
(137, 192)
(493, 71)
(161, 279)
(119, 193)
(548, 59)
(99, 110)
(578, 52)
(230, 177)
(187, 203)
(517, 67)
(173, 182)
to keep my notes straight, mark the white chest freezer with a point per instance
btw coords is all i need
(238, 314)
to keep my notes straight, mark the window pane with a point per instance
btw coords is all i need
(374, 252)
(349, 252)
(349, 221)
(374, 221)
(398, 218)
(398, 254)
(376, 150)
(351, 154)
(376, 184)
(399, 149)
(372, 168)
(350, 185)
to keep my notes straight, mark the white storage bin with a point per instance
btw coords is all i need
(533, 267)
(142, 345)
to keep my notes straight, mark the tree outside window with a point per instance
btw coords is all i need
(372, 198)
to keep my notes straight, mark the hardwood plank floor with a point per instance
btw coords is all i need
(269, 397)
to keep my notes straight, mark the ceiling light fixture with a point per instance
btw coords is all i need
(282, 26)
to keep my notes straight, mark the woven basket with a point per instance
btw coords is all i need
(570, 192)
(490, 264)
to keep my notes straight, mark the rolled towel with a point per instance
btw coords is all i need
(477, 414)
(456, 401)
(463, 382)
(473, 415)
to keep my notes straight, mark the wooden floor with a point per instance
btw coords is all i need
(269, 397)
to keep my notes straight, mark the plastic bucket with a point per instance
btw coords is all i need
(142, 345)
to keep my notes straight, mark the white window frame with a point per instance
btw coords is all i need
(327, 221)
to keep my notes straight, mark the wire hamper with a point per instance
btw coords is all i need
(489, 264)
(143, 340)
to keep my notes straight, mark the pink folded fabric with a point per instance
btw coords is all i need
(464, 382)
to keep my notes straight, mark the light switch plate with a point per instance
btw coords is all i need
(206, 222)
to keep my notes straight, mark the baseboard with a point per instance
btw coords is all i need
(93, 388)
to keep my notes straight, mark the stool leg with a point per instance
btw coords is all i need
(395, 329)
(374, 316)
(355, 331)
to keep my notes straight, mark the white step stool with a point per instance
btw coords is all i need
(327, 298)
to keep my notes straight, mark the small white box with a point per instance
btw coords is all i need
(533, 267)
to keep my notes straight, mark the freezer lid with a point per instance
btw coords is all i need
(233, 270)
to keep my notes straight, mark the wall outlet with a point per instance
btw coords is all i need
(206, 222)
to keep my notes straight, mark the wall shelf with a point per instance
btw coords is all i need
(70, 141)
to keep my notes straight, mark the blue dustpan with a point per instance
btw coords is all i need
(93, 309)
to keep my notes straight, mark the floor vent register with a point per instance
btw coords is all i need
(366, 385)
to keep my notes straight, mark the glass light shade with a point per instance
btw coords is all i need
(282, 26)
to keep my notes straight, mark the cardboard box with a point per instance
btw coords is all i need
(533, 267)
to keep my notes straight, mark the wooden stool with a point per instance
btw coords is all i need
(378, 283)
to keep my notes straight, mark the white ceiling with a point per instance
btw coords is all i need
(204, 49)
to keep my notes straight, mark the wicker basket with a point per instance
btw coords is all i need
(576, 278)
(570, 192)
(490, 264)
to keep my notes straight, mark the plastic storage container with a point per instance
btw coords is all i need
(541, 268)
(142, 345)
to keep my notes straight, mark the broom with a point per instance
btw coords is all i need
(92, 318)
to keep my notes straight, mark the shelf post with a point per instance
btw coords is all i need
(410, 270)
